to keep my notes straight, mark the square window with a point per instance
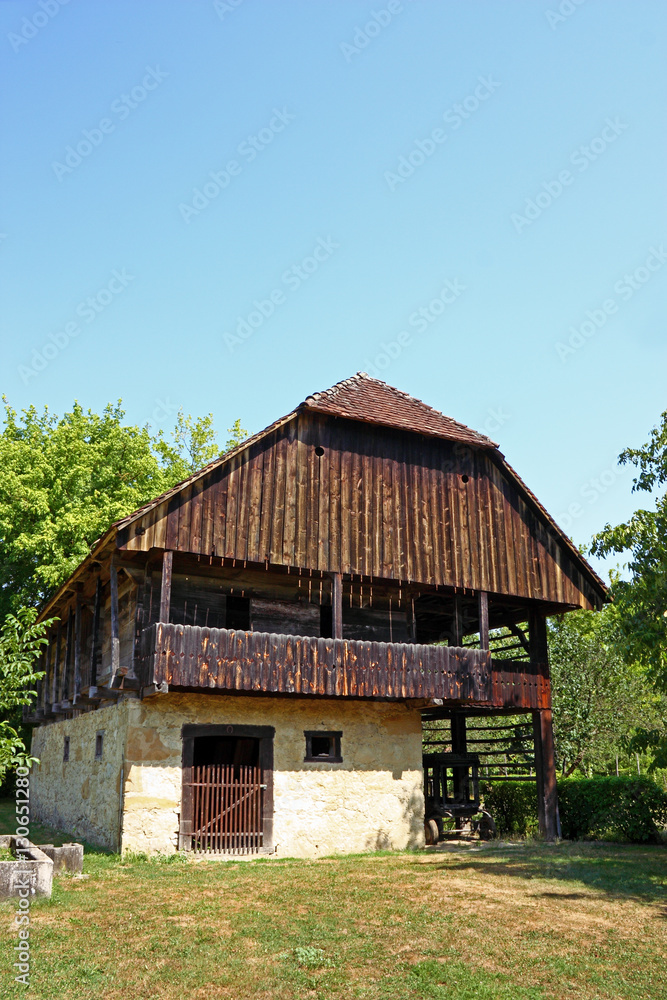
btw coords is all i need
(66, 748)
(99, 745)
(323, 747)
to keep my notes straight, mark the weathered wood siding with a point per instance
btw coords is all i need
(376, 502)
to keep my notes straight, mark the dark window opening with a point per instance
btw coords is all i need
(66, 748)
(238, 613)
(225, 750)
(319, 451)
(324, 747)
(99, 745)
(326, 621)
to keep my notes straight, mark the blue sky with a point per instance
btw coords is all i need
(226, 206)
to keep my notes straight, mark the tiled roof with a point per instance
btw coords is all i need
(375, 402)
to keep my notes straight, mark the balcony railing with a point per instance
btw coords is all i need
(205, 659)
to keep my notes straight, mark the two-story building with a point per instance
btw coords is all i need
(241, 666)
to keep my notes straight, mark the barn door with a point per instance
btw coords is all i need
(227, 803)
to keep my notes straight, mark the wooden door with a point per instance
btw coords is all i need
(227, 801)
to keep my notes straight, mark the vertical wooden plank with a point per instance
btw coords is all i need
(483, 599)
(337, 605)
(277, 514)
(55, 696)
(165, 586)
(335, 512)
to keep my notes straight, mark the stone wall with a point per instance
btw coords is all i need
(373, 799)
(81, 795)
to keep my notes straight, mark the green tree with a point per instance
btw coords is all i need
(599, 698)
(642, 600)
(237, 434)
(193, 445)
(65, 480)
(21, 640)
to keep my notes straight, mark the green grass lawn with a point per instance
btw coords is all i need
(513, 922)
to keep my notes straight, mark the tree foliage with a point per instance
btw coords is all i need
(599, 698)
(65, 480)
(21, 640)
(642, 600)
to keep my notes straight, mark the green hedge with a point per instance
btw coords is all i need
(513, 805)
(624, 808)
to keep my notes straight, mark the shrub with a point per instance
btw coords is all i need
(513, 805)
(626, 808)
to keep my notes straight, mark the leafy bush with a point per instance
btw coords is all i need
(513, 805)
(633, 809)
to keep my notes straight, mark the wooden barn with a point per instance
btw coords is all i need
(244, 664)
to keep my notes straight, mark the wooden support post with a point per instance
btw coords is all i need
(165, 588)
(78, 611)
(537, 640)
(115, 629)
(57, 685)
(547, 794)
(69, 639)
(459, 774)
(47, 683)
(483, 620)
(336, 605)
(95, 642)
(457, 621)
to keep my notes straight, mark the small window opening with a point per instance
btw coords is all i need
(99, 745)
(66, 748)
(464, 479)
(319, 451)
(322, 746)
(238, 613)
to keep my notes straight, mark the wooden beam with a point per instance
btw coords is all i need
(457, 621)
(115, 630)
(55, 692)
(483, 620)
(95, 641)
(336, 606)
(547, 792)
(165, 587)
(69, 641)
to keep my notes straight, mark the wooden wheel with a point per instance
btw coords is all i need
(431, 832)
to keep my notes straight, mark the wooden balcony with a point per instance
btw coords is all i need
(205, 659)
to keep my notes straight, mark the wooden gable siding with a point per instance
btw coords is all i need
(380, 503)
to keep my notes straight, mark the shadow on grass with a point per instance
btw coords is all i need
(620, 871)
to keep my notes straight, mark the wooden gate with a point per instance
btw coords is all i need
(227, 808)
(227, 799)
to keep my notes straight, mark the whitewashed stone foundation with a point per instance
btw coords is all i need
(373, 799)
